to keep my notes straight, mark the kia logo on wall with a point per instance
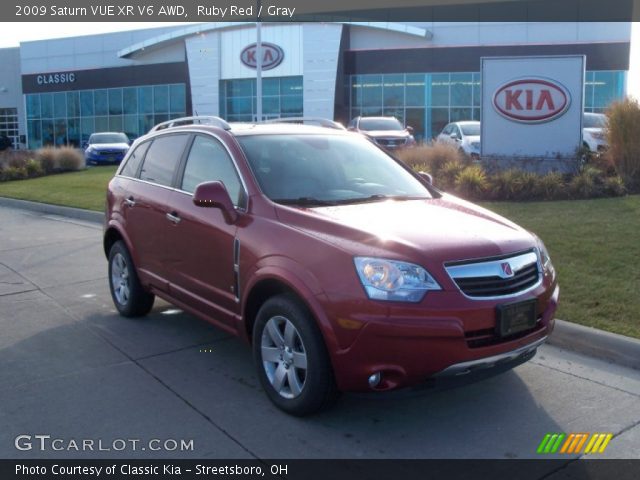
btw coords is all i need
(272, 56)
(532, 100)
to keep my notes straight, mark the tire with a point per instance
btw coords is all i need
(128, 295)
(291, 358)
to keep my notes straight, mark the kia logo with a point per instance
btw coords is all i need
(272, 56)
(532, 100)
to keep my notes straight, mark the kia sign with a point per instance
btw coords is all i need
(532, 100)
(272, 56)
(532, 108)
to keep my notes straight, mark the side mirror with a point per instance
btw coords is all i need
(215, 195)
(454, 135)
(426, 177)
(410, 129)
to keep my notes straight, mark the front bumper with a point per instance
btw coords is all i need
(98, 158)
(408, 345)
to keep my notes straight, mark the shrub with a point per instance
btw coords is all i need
(623, 136)
(445, 178)
(587, 184)
(431, 158)
(47, 158)
(33, 168)
(550, 187)
(13, 173)
(471, 182)
(614, 187)
(69, 158)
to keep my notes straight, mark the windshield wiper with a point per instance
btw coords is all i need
(305, 202)
(380, 197)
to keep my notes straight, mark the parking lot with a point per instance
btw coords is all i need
(72, 368)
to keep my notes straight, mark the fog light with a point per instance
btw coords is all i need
(374, 379)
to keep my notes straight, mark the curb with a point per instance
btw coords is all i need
(590, 341)
(77, 213)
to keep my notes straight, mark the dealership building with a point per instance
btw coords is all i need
(59, 91)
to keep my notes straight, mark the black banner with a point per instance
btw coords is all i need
(327, 10)
(322, 469)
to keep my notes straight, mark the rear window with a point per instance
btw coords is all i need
(130, 168)
(162, 159)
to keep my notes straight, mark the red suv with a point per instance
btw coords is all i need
(344, 269)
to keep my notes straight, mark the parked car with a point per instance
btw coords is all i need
(464, 135)
(594, 136)
(387, 132)
(106, 147)
(342, 267)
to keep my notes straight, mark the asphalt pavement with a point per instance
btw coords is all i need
(72, 371)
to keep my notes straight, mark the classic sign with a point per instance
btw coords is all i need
(532, 100)
(272, 56)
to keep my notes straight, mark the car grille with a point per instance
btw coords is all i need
(110, 152)
(391, 142)
(496, 277)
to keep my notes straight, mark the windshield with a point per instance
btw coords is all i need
(470, 129)
(594, 120)
(318, 170)
(108, 138)
(369, 124)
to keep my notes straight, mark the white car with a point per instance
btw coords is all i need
(594, 135)
(464, 135)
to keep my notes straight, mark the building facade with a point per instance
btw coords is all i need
(58, 92)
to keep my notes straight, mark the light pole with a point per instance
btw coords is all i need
(258, 64)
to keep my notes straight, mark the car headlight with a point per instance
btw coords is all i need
(475, 145)
(545, 259)
(90, 149)
(392, 280)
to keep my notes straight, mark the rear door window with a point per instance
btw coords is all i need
(162, 158)
(132, 166)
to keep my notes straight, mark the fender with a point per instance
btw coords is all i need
(115, 225)
(300, 281)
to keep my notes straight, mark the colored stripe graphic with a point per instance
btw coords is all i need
(573, 443)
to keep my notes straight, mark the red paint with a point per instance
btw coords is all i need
(531, 100)
(272, 56)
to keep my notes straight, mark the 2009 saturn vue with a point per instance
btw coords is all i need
(343, 268)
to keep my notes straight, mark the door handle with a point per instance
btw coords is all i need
(130, 201)
(173, 217)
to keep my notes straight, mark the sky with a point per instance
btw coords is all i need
(16, 32)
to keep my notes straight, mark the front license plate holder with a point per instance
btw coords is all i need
(516, 317)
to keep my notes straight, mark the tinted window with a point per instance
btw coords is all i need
(130, 168)
(472, 129)
(162, 158)
(209, 161)
(369, 124)
(98, 138)
(326, 168)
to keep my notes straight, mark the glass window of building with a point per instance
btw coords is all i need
(9, 125)
(432, 100)
(69, 118)
(281, 97)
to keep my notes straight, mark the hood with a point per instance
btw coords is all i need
(109, 146)
(424, 231)
(593, 130)
(472, 138)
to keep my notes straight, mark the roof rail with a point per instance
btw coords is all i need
(202, 120)
(319, 121)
